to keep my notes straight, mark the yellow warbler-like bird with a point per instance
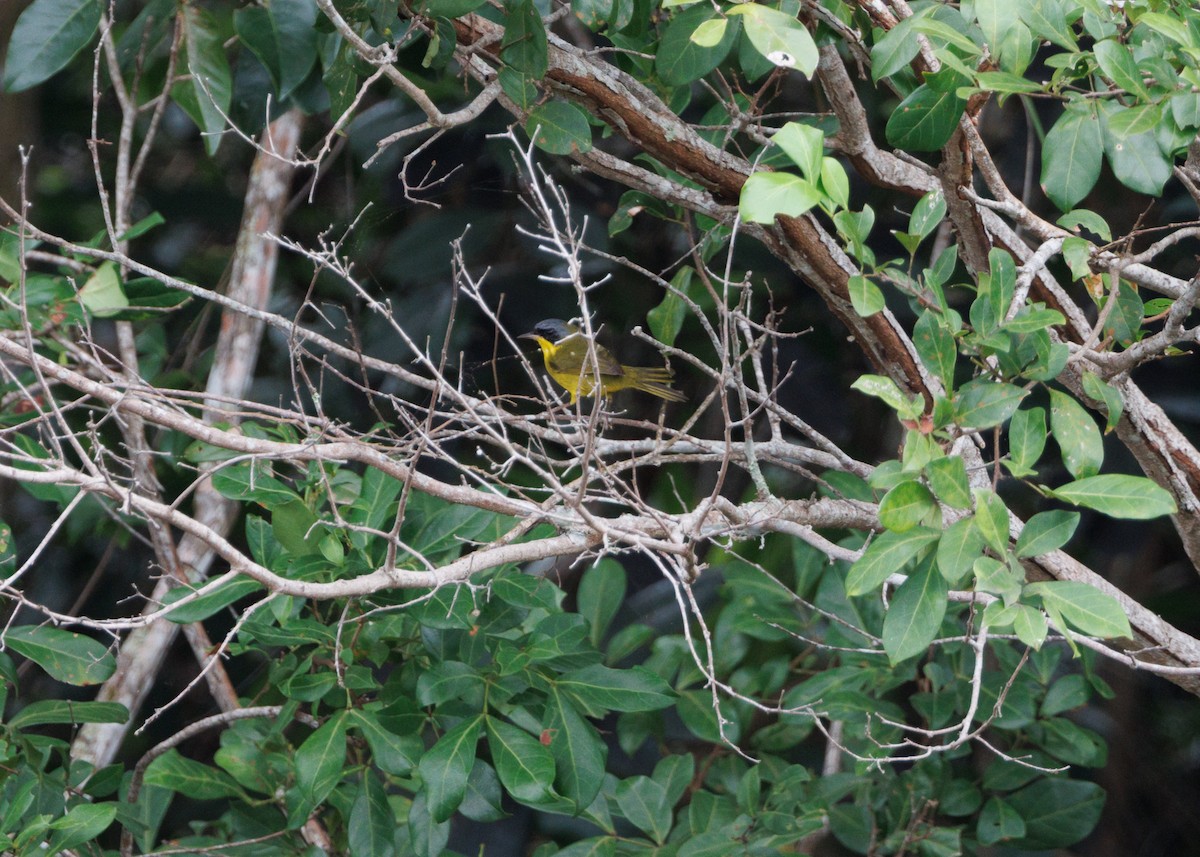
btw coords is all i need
(575, 362)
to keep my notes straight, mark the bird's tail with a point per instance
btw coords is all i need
(655, 380)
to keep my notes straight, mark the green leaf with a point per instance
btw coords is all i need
(1129, 497)
(207, 94)
(895, 50)
(1047, 19)
(598, 687)
(888, 554)
(560, 128)
(998, 822)
(372, 828)
(981, 403)
(1076, 434)
(578, 752)
(1170, 26)
(1090, 220)
(666, 319)
(445, 767)
(779, 37)
(524, 47)
(866, 297)
(991, 516)
(680, 60)
(643, 802)
(392, 752)
(283, 37)
(884, 388)
(1045, 532)
(1097, 388)
(1138, 162)
(224, 595)
(804, 145)
(765, 195)
(1057, 812)
(46, 37)
(935, 346)
(1071, 155)
(82, 823)
(710, 33)
(997, 578)
(1089, 610)
(320, 759)
(525, 766)
(1030, 626)
(187, 777)
(834, 182)
(906, 505)
(1026, 440)
(925, 120)
(64, 655)
(249, 482)
(1117, 62)
(927, 214)
(65, 711)
(601, 592)
(102, 293)
(1125, 122)
(948, 478)
(960, 545)
(915, 613)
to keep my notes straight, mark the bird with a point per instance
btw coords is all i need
(574, 361)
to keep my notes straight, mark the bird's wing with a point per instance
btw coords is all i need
(572, 352)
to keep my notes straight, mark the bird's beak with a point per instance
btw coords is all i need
(527, 336)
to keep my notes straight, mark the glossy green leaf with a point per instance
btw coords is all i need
(997, 578)
(895, 50)
(1058, 812)
(82, 823)
(1096, 388)
(320, 759)
(372, 828)
(886, 555)
(1117, 62)
(915, 613)
(445, 767)
(766, 195)
(866, 297)
(102, 294)
(1047, 19)
(65, 655)
(524, 765)
(579, 754)
(680, 60)
(960, 545)
(1118, 495)
(603, 688)
(206, 605)
(991, 516)
(1030, 626)
(47, 711)
(1089, 610)
(778, 36)
(981, 403)
(46, 37)
(601, 591)
(643, 802)
(393, 752)
(188, 777)
(906, 505)
(927, 214)
(804, 145)
(935, 346)
(560, 128)
(948, 478)
(1046, 531)
(998, 822)
(1138, 162)
(524, 47)
(710, 33)
(1071, 155)
(925, 120)
(1026, 440)
(666, 319)
(207, 94)
(1076, 434)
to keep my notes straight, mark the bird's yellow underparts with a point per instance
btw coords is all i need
(578, 364)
